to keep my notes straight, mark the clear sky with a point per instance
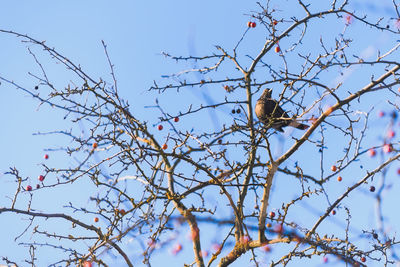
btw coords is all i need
(136, 32)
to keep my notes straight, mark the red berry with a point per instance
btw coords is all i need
(249, 24)
(245, 239)
(398, 171)
(87, 264)
(216, 247)
(46, 156)
(274, 22)
(333, 212)
(363, 259)
(278, 229)
(349, 19)
(94, 145)
(151, 243)
(96, 219)
(121, 212)
(28, 188)
(391, 133)
(160, 127)
(325, 259)
(387, 148)
(41, 178)
(176, 119)
(371, 152)
(333, 168)
(339, 178)
(253, 25)
(277, 49)
(37, 186)
(381, 113)
(266, 248)
(372, 188)
(177, 248)
(272, 214)
(165, 146)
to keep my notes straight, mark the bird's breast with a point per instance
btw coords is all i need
(259, 109)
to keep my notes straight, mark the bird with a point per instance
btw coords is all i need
(272, 115)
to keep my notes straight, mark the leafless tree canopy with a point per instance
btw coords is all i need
(209, 164)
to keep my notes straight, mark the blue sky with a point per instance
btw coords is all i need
(136, 32)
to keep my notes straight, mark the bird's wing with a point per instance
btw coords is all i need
(272, 106)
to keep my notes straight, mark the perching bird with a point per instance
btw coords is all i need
(272, 115)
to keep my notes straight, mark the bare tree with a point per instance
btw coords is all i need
(145, 176)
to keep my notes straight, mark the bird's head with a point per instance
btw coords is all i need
(267, 93)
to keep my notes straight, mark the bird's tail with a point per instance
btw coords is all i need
(298, 125)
